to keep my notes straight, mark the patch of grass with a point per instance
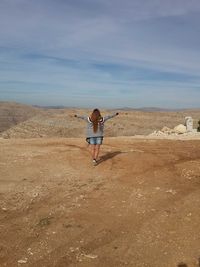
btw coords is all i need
(45, 221)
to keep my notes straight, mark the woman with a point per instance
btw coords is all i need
(95, 131)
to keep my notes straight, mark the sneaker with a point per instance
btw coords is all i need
(94, 162)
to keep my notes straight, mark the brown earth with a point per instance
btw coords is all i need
(138, 207)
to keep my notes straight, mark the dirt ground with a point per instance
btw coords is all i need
(138, 207)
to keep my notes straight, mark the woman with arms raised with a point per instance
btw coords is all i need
(95, 131)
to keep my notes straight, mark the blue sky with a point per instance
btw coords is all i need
(100, 53)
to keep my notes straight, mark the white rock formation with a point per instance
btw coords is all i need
(180, 129)
(189, 124)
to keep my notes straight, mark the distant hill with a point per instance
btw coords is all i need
(22, 121)
(50, 107)
(12, 113)
(156, 109)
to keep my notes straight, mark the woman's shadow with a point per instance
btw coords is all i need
(108, 156)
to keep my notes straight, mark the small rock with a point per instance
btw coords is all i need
(22, 261)
(29, 251)
(90, 256)
(4, 209)
(72, 249)
(173, 192)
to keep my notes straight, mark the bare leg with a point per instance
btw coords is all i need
(92, 151)
(97, 149)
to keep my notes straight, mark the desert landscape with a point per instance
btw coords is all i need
(139, 207)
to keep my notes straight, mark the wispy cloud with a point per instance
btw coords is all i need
(82, 49)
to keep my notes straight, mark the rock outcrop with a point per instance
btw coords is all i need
(180, 129)
(176, 131)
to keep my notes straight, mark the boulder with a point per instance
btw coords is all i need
(180, 129)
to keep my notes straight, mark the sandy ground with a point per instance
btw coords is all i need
(138, 207)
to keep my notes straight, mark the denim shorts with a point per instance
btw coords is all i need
(95, 140)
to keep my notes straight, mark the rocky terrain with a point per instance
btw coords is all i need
(61, 122)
